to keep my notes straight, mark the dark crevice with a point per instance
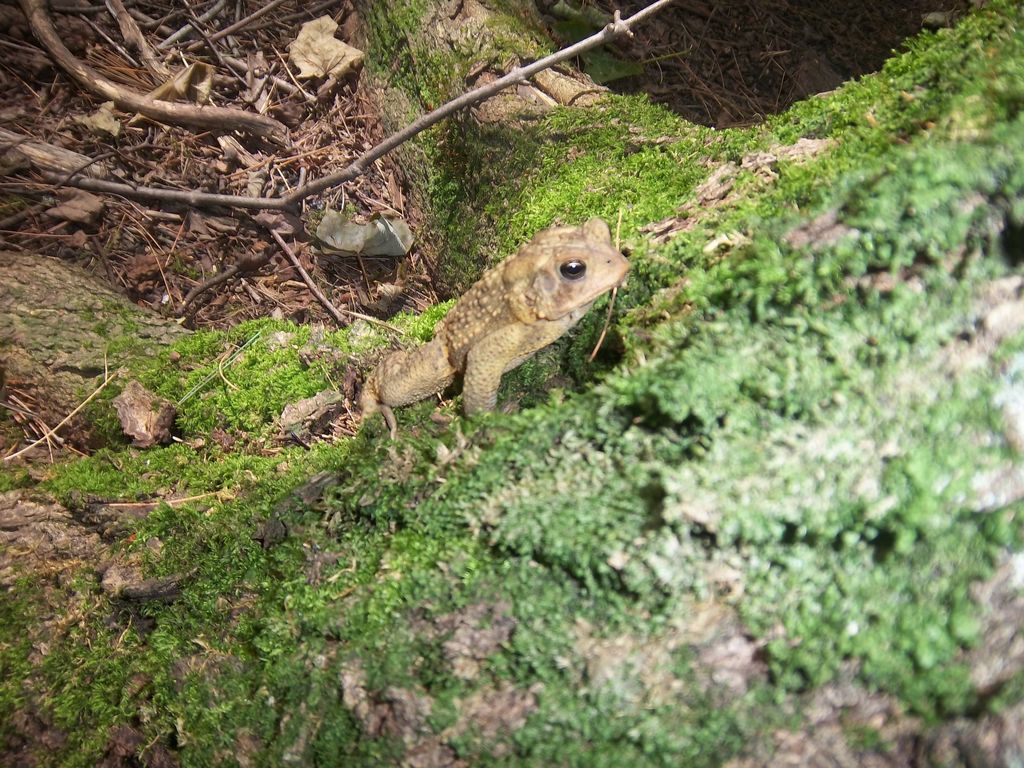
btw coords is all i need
(734, 62)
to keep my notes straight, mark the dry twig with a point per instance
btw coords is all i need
(241, 68)
(240, 24)
(616, 28)
(308, 280)
(46, 437)
(216, 118)
(185, 30)
(611, 301)
(213, 282)
(133, 36)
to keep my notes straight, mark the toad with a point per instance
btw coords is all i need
(517, 308)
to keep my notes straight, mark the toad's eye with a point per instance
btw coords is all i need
(573, 270)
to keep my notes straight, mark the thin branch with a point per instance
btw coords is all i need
(295, 89)
(12, 221)
(333, 310)
(213, 282)
(133, 36)
(248, 263)
(185, 30)
(156, 26)
(611, 301)
(308, 280)
(240, 24)
(616, 28)
(217, 118)
(220, 495)
(189, 198)
(84, 166)
(198, 27)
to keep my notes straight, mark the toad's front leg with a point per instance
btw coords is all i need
(499, 353)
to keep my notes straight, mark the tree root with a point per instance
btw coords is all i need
(223, 119)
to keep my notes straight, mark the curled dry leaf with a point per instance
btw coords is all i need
(194, 84)
(146, 418)
(380, 237)
(318, 53)
(102, 120)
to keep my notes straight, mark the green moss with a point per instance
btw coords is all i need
(21, 608)
(13, 478)
(754, 352)
(179, 469)
(400, 53)
(238, 380)
(421, 327)
(630, 157)
(793, 416)
(116, 324)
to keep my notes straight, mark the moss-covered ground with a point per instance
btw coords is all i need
(800, 430)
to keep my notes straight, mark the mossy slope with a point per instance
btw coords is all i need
(801, 456)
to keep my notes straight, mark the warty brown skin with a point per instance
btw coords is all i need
(515, 309)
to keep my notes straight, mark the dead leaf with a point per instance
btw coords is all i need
(380, 237)
(317, 53)
(664, 230)
(206, 225)
(194, 84)
(717, 185)
(937, 19)
(81, 208)
(144, 416)
(102, 120)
